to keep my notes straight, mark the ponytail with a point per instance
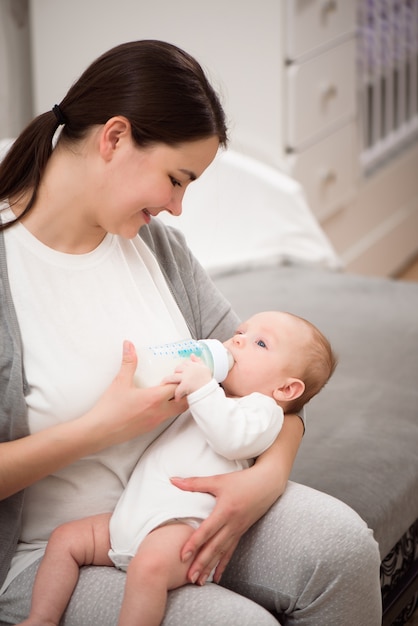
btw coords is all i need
(25, 162)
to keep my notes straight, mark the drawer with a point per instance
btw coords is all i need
(313, 24)
(327, 171)
(320, 93)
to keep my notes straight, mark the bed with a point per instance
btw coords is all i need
(251, 228)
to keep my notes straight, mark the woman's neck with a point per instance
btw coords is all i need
(60, 217)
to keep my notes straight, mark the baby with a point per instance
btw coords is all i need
(280, 362)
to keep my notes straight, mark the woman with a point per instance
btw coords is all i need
(140, 124)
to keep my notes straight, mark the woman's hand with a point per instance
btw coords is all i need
(241, 499)
(237, 508)
(123, 412)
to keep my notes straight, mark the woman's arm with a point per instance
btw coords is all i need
(241, 499)
(123, 412)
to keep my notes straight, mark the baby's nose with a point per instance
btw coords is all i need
(238, 340)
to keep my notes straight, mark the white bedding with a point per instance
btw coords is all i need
(242, 213)
(4, 146)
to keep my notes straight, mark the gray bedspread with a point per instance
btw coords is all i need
(361, 443)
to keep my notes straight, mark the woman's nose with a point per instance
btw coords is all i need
(175, 207)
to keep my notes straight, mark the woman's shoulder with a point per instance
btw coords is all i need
(163, 239)
(172, 253)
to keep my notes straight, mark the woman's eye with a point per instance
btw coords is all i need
(261, 343)
(175, 182)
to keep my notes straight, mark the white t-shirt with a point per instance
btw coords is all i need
(74, 312)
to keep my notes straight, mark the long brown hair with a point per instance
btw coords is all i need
(159, 88)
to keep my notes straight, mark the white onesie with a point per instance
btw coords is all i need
(215, 436)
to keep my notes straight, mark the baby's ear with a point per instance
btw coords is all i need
(292, 389)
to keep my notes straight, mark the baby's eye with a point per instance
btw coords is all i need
(261, 343)
(175, 182)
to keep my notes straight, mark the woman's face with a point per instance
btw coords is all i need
(139, 183)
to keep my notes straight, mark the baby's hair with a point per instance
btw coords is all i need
(320, 364)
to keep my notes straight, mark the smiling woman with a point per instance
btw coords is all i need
(78, 282)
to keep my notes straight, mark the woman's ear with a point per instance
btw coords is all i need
(115, 129)
(292, 389)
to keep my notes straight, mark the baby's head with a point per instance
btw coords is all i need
(281, 355)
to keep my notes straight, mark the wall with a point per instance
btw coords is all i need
(15, 79)
(237, 41)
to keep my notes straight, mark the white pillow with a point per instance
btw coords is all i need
(4, 146)
(243, 213)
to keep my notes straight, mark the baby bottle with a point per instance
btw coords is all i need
(156, 362)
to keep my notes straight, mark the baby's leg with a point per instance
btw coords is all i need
(155, 569)
(82, 542)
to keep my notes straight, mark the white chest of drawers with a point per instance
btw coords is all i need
(321, 104)
(370, 217)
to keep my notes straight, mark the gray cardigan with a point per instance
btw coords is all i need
(205, 310)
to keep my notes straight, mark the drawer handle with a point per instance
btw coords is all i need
(329, 91)
(328, 176)
(329, 7)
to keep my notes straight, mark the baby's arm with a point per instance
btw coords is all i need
(236, 428)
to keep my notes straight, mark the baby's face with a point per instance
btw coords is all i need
(268, 348)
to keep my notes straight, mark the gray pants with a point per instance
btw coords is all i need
(311, 561)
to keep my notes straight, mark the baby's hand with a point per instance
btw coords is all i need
(189, 376)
